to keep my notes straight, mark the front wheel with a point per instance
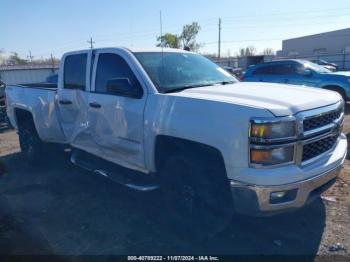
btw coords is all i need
(197, 195)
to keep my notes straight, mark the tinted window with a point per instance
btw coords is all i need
(286, 69)
(75, 71)
(278, 69)
(112, 66)
(265, 70)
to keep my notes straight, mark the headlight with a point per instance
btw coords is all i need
(273, 156)
(274, 130)
(266, 136)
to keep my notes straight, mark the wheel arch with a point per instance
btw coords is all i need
(336, 88)
(23, 117)
(166, 146)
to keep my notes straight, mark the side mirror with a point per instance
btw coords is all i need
(123, 87)
(2, 85)
(307, 72)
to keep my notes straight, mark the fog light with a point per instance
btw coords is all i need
(276, 195)
(283, 196)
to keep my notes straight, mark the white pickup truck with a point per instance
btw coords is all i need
(212, 144)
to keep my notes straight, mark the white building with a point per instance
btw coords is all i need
(25, 74)
(329, 43)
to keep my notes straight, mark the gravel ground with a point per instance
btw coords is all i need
(57, 208)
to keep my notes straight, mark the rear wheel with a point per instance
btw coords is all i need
(197, 195)
(31, 146)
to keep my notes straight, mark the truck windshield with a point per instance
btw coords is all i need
(171, 72)
(318, 68)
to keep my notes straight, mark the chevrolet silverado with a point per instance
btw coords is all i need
(212, 145)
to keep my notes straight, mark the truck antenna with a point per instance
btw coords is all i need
(161, 28)
(161, 38)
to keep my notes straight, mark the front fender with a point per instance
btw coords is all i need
(223, 126)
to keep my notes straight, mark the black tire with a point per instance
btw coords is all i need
(197, 195)
(33, 149)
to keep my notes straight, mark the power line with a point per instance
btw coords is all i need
(238, 26)
(173, 26)
(286, 13)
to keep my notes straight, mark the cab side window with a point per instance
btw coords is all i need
(286, 69)
(75, 72)
(277, 69)
(265, 70)
(115, 77)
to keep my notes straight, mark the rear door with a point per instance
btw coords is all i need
(268, 73)
(280, 72)
(72, 98)
(116, 120)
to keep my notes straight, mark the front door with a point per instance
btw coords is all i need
(298, 76)
(116, 118)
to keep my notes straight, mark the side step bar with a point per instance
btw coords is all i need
(129, 178)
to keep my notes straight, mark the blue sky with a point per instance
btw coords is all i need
(58, 26)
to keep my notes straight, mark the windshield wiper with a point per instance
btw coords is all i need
(225, 82)
(173, 90)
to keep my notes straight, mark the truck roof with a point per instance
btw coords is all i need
(302, 61)
(157, 49)
(138, 50)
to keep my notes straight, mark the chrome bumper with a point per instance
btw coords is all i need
(256, 200)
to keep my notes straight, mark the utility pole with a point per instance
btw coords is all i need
(52, 63)
(219, 42)
(91, 43)
(30, 56)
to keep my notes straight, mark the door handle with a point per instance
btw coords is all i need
(65, 102)
(95, 105)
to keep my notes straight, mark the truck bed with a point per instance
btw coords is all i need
(49, 86)
(39, 100)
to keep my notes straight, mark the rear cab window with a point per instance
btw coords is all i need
(75, 72)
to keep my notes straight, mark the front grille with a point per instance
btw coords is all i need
(319, 147)
(322, 120)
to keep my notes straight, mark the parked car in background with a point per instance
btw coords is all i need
(300, 72)
(330, 66)
(3, 116)
(2, 89)
(52, 79)
(237, 72)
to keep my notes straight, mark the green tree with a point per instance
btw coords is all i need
(186, 39)
(188, 36)
(169, 40)
(2, 58)
(15, 59)
(248, 51)
(268, 51)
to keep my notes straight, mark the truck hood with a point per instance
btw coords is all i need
(340, 73)
(279, 99)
